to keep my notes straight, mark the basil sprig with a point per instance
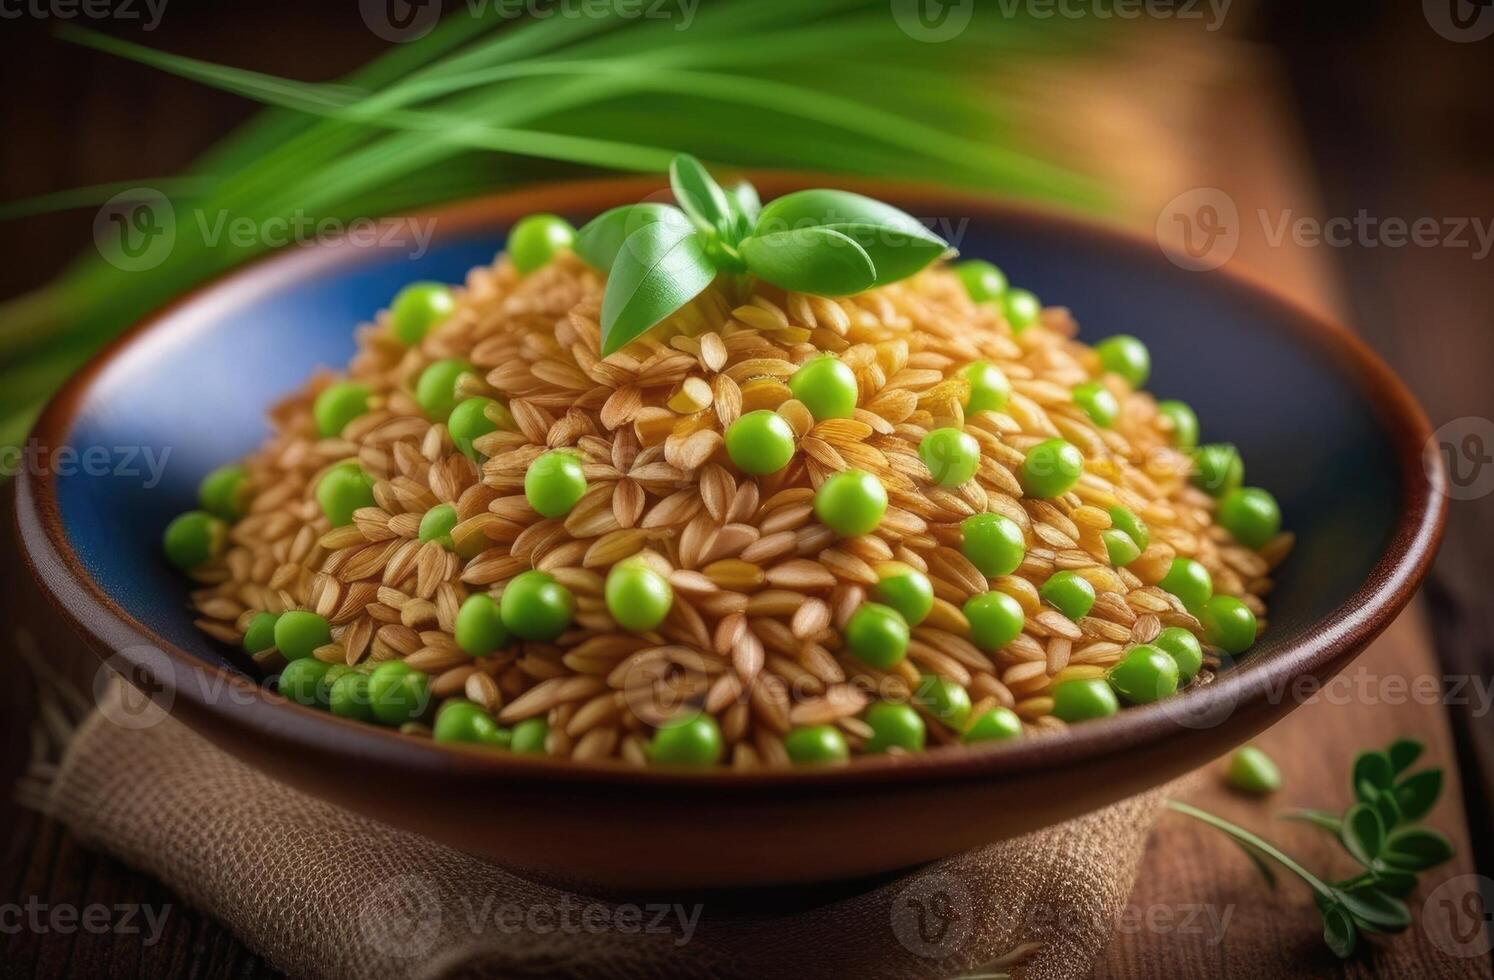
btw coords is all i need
(1379, 832)
(658, 257)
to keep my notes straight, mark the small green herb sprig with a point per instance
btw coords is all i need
(658, 257)
(1380, 832)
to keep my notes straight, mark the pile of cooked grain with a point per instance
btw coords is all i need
(761, 589)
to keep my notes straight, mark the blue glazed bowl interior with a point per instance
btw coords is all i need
(192, 394)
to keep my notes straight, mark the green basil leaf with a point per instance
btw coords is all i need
(1397, 883)
(820, 261)
(659, 269)
(1363, 833)
(1389, 809)
(746, 206)
(599, 240)
(1373, 908)
(897, 243)
(699, 194)
(1418, 793)
(1372, 773)
(1416, 849)
(1402, 753)
(1321, 818)
(1338, 931)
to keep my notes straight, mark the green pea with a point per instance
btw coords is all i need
(417, 308)
(529, 736)
(436, 525)
(686, 740)
(1098, 402)
(463, 722)
(479, 625)
(536, 607)
(894, 726)
(905, 589)
(301, 681)
(952, 456)
(299, 632)
(221, 492)
(348, 697)
(1084, 698)
(1190, 582)
(397, 692)
(436, 388)
(1126, 356)
(827, 387)
(1253, 771)
(816, 745)
(944, 699)
(851, 503)
(260, 635)
(1251, 515)
(1184, 649)
(337, 405)
(474, 418)
(995, 620)
(994, 543)
(1184, 424)
(1144, 675)
(638, 597)
(1119, 547)
(555, 482)
(996, 725)
(537, 239)
(342, 490)
(1069, 593)
(1021, 308)
(194, 538)
(1123, 519)
(1229, 624)
(989, 388)
(877, 635)
(1217, 468)
(1051, 469)
(983, 281)
(760, 442)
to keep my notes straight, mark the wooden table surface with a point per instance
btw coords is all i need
(1229, 128)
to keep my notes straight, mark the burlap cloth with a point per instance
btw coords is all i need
(322, 892)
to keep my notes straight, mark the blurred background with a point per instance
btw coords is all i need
(1343, 149)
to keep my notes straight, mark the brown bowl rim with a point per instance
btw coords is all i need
(260, 713)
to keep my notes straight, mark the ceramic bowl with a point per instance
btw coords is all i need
(1320, 420)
